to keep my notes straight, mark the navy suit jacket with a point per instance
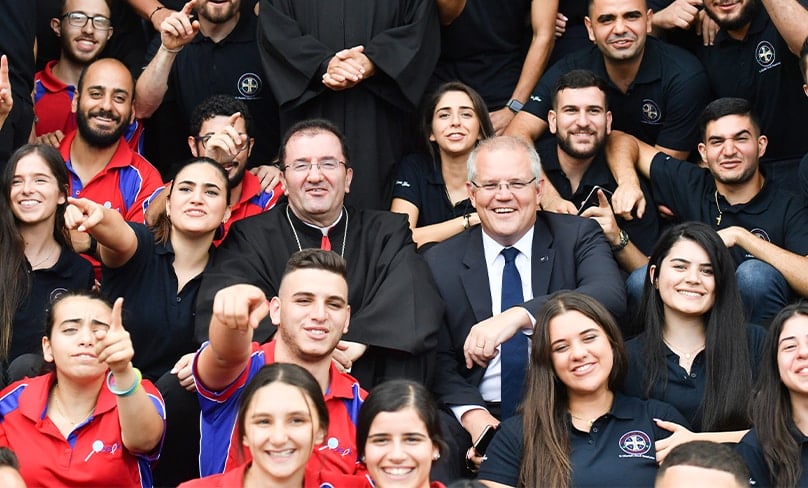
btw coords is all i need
(569, 253)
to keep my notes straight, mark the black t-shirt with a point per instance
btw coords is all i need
(420, 182)
(485, 47)
(682, 390)
(71, 272)
(643, 232)
(159, 319)
(775, 215)
(761, 69)
(662, 105)
(618, 451)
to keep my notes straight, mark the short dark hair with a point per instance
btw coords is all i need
(215, 105)
(708, 455)
(63, 6)
(317, 259)
(723, 107)
(8, 458)
(313, 127)
(395, 395)
(579, 78)
(289, 374)
(804, 59)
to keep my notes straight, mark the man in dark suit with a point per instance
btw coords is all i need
(557, 252)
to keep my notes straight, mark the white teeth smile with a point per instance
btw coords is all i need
(689, 293)
(583, 369)
(318, 332)
(284, 453)
(28, 203)
(397, 471)
(503, 210)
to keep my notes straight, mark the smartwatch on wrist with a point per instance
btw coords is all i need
(514, 105)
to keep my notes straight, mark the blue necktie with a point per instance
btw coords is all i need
(514, 350)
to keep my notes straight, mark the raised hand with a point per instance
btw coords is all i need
(113, 346)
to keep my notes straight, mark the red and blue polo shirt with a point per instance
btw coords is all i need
(92, 455)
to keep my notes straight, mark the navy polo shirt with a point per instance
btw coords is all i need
(683, 390)
(485, 47)
(643, 232)
(661, 106)
(761, 69)
(159, 319)
(752, 453)
(420, 182)
(71, 272)
(618, 451)
(775, 215)
(232, 67)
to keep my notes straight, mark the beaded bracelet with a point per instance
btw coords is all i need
(124, 393)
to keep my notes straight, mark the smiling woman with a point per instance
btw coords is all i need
(431, 187)
(398, 435)
(696, 352)
(158, 270)
(280, 436)
(575, 429)
(37, 256)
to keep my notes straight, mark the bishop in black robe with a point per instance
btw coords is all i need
(297, 39)
(395, 307)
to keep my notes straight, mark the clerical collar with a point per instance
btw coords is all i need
(318, 230)
(326, 229)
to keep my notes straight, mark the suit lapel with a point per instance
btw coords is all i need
(474, 276)
(542, 257)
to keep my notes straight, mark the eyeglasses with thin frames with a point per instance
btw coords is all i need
(324, 165)
(80, 19)
(513, 185)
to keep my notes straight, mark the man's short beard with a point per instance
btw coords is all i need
(97, 139)
(567, 148)
(747, 13)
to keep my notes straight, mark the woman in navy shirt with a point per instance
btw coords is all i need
(37, 262)
(696, 352)
(776, 449)
(158, 270)
(431, 188)
(575, 428)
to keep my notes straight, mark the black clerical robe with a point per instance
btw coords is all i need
(297, 39)
(395, 306)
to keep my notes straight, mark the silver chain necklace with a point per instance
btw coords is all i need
(297, 239)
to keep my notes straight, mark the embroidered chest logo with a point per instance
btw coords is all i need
(651, 114)
(333, 444)
(766, 56)
(635, 443)
(249, 85)
(56, 293)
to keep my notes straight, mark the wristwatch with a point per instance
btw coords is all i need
(623, 242)
(514, 105)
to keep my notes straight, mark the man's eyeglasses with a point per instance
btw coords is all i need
(325, 165)
(513, 185)
(203, 141)
(79, 19)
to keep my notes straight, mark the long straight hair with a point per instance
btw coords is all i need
(546, 432)
(14, 269)
(771, 407)
(728, 367)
